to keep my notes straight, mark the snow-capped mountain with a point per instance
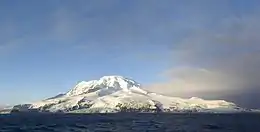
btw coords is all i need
(117, 94)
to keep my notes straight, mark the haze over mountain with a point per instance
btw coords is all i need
(2, 107)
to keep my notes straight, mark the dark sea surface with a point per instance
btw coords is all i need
(130, 122)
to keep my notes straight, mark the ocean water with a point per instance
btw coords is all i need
(130, 122)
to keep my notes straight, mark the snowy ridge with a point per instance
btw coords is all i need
(119, 94)
(111, 83)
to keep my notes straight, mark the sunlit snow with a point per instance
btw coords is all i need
(114, 93)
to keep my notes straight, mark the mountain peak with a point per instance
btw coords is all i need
(119, 79)
(112, 76)
(113, 82)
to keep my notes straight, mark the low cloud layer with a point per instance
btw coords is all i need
(220, 62)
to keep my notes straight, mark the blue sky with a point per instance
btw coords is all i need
(46, 47)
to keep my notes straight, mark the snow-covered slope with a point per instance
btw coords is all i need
(116, 93)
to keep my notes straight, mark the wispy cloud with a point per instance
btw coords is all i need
(10, 46)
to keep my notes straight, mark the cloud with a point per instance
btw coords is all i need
(221, 61)
(10, 46)
(191, 81)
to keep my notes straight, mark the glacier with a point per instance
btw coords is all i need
(119, 94)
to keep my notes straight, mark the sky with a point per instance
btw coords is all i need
(181, 48)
